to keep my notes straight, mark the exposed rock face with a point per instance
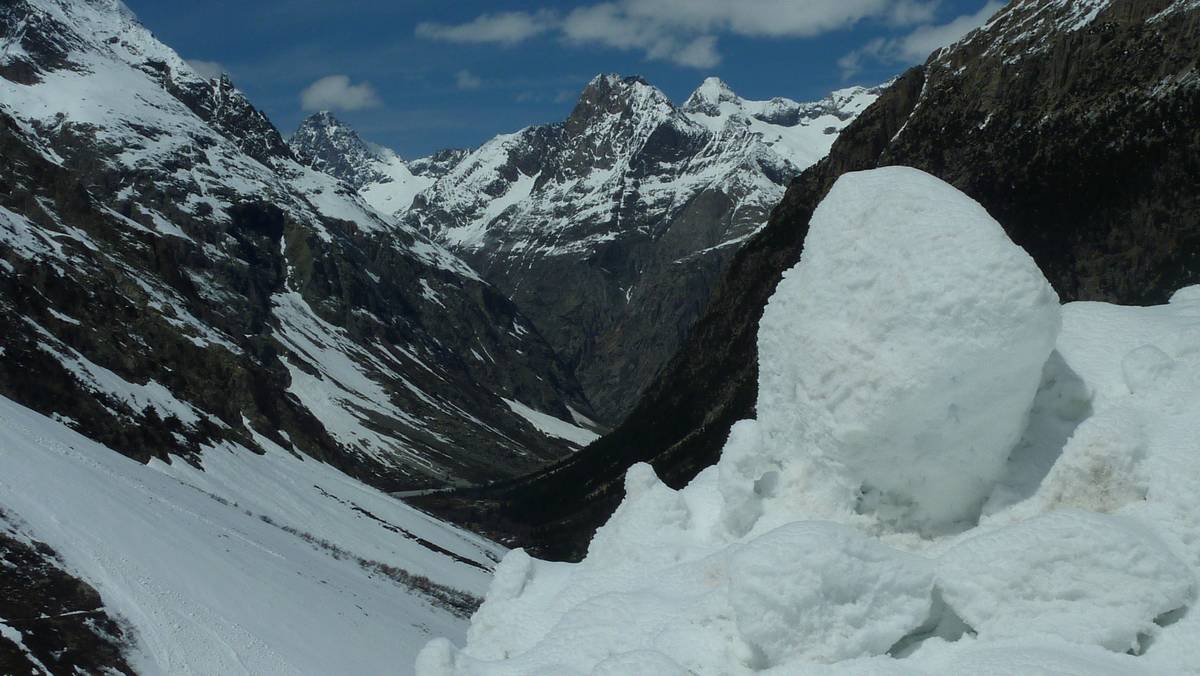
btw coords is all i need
(172, 278)
(1072, 123)
(611, 228)
(384, 180)
(324, 143)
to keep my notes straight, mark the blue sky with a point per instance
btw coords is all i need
(421, 75)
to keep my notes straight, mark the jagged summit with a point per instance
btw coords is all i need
(384, 180)
(608, 95)
(324, 143)
(611, 226)
(710, 94)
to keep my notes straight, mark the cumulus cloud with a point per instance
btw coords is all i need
(465, 79)
(335, 92)
(503, 28)
(919, 43)
(207, 69)
(684, 32)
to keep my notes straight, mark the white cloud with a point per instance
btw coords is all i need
(764, 18)
(699, 53)
(919, 43)
(465, 79)
(925, 39)
(335, 92)
(503, 28)
(684, 32)
(609, 25)
(207, 69)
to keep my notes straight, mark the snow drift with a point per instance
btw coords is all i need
(940, 481)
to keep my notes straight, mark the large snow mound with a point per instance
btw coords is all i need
(1083, 559)
(905, 348)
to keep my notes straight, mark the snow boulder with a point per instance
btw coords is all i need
(903, 351)
(821, 592)
(1084, 577)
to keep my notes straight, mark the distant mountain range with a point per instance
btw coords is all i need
(610, 229)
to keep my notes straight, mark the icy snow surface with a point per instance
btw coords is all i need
(1078, 549)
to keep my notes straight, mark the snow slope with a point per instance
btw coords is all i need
(255, 565)
(1082, 559)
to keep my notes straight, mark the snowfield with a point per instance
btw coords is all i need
(256, 565)
(950, 474)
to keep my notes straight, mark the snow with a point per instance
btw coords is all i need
(1081, 553)
(823, 592)
(1086, 577)
(924, 332)
(552, 426)
(803, 142)
(212, 570)
(330, 376)
(395, 191)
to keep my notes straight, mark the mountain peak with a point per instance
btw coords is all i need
(323, 142)
(612, 94)
(713, 91)
(324, 120)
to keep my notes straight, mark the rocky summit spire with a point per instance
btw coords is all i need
(325, 143)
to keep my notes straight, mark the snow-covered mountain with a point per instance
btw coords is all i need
(171, 278)
(208, 351)
(383, 179)
(611, 228)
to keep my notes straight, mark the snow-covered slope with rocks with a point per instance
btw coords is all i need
(243, 564)
(384, 180)
(610, 229)
(1076, 554)
(171, 277)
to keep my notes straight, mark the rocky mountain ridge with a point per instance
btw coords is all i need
(611, 228)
